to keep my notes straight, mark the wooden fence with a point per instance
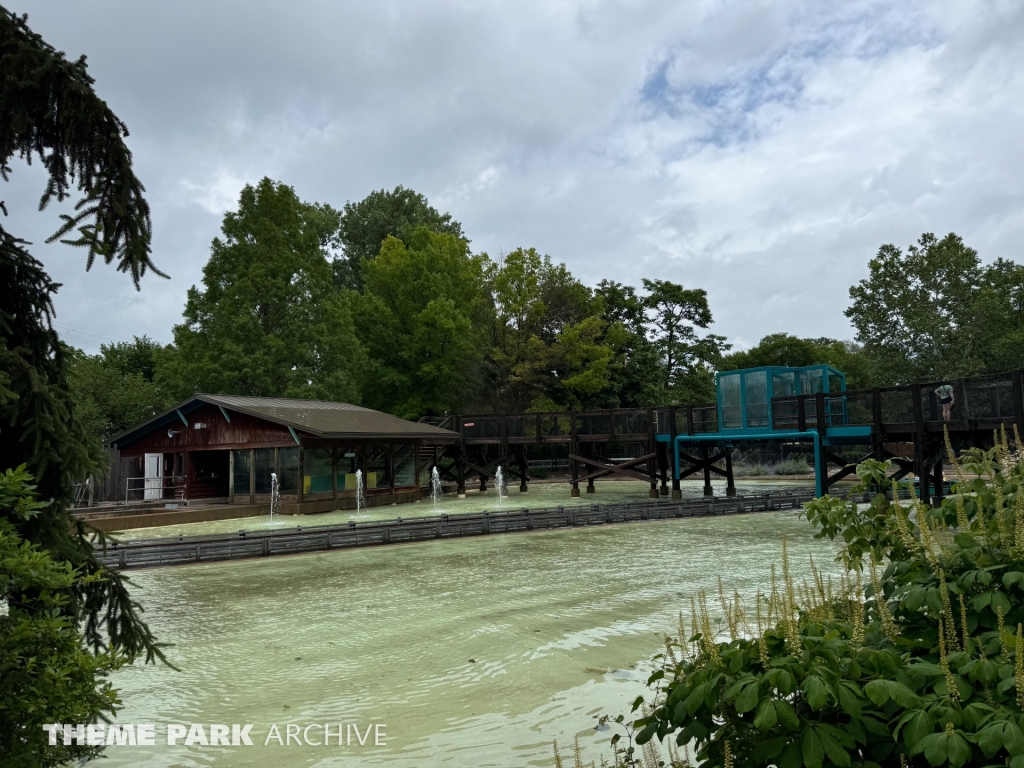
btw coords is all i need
(146, 553)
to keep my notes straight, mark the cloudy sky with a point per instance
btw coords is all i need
(760, 151)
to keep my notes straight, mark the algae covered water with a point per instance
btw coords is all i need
(472, 652)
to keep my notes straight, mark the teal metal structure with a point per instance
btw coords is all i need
(745, 405)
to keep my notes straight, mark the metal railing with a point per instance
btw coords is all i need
(166, 488)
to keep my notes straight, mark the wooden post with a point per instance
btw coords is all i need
(573, 448)
(186, 471)
(877, 428)
(231, 477)
(673, 413)
(730, 484)
(301, 493)
(592, 454)
(819, 408)
(708, 490)
(252, 475)
(652, 464)
(962, 406)
(920, 467)
(801, 413)
(391, 468)
(460, 488)
(1018, 402)
(524, 468)
(416, 463)
(334, 473)
(937, 482)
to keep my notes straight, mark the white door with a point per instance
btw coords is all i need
(154, 476)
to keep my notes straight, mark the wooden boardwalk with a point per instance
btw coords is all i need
(182, 550)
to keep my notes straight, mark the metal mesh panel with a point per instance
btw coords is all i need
(705, 418)
(990, 398)
(897, 406)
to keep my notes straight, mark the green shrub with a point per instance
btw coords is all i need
(47, 672)
(915, 658)
(791, 466)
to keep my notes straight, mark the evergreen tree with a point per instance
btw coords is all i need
(50, 112)
(674, 315)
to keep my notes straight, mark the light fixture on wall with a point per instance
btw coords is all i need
(171, 433)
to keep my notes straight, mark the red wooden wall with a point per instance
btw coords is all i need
(242, 432)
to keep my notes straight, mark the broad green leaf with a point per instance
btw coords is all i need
(817, 693)
(768, 749)
(1013, 739)
(934, 748)
(999, 600)
(787, 717)
(919, 726)
(747, 699)
(877, 691)
(990, 739)
(835, 752)
(792, 757)
(812, 751)
(958, 751)
(848, 701)
(765, 718)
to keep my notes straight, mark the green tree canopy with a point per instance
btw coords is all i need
(548, 345)
(421, 305)
(115, 389)
(268, 321)
(786, 350)
(367, 224)
(636, 376)
(915, 313)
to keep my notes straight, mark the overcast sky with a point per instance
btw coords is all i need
(760, 151)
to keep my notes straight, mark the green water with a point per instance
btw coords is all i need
(539, 495)
(558, 625)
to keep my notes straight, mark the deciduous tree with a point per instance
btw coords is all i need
(268, 320)
(418, 319)
(365, 225)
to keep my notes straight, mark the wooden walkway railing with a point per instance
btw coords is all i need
(147, 553)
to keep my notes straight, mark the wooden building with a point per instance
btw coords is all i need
(227, 447)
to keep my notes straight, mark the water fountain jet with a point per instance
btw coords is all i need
(435, 488)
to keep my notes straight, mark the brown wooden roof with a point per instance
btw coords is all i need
(316, 418)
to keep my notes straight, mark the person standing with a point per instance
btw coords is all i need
(945, 394)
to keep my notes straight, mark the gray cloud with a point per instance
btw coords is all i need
(762, 151)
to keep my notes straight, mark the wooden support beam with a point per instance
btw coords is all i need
(1018, 402)
(920, 468)
(652, 464)
(877, 427)
(706, 464)
(608, 469)
(574, 469)
(673, 413)
(730, 484)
